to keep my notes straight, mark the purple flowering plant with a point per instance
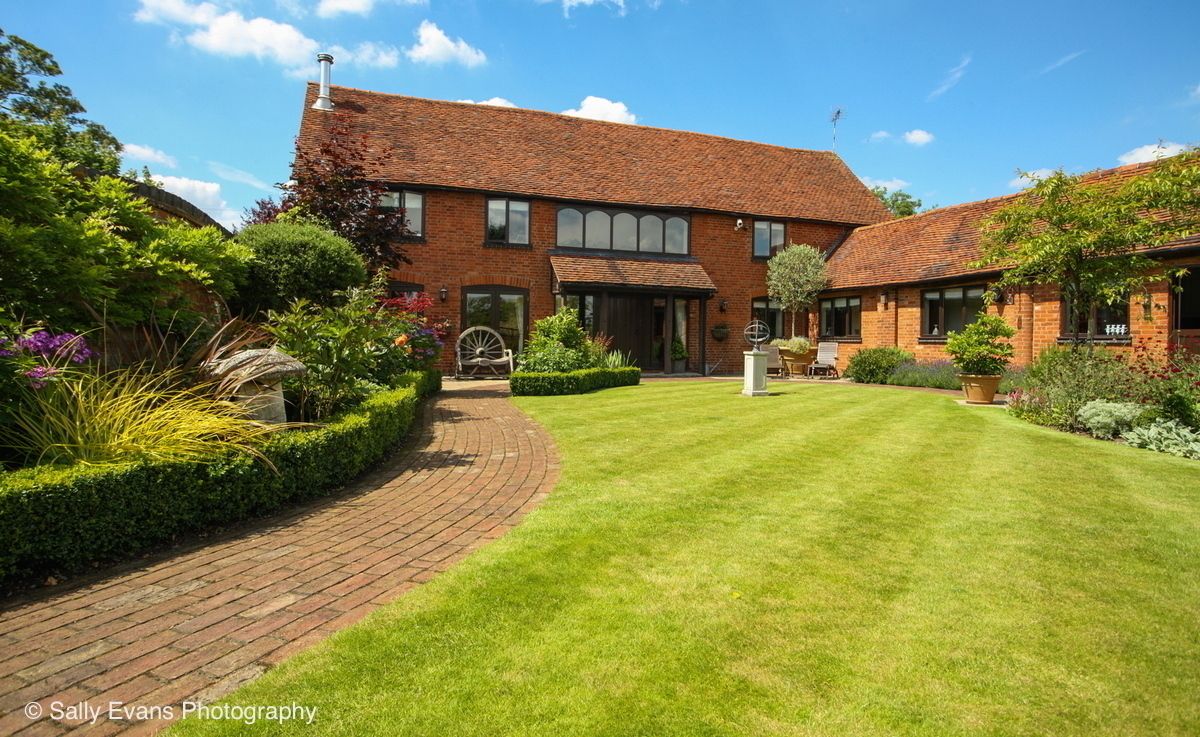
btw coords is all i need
(35, 356)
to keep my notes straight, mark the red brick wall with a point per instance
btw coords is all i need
(1036, 314)
(453, 255)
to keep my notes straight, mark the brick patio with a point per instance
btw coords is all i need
(195, 624)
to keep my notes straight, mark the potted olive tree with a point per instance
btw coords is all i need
(980, 351)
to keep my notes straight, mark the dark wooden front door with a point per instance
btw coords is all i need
(1186, 320)
(634, 322)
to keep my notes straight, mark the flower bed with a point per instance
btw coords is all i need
(573, 382)
(62, 519)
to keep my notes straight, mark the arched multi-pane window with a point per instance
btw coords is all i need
(625, 228)
(677, 235)
(570, 228)
(651, 238)
(617, 230)
(597, 230)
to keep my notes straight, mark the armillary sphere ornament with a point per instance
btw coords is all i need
(756, 333)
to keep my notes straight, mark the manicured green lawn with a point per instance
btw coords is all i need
(834, 560)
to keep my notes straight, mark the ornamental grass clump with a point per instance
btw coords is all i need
(128, 415)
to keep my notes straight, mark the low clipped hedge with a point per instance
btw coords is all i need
(58, 520)
(573, 382)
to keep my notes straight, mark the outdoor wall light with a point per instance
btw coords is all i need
(1147, 305)
(1010, 297)
(723, 305)
(883, 298)
(443, 294)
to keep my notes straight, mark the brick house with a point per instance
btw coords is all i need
(906, 282)
(656, 234)
(653, 234)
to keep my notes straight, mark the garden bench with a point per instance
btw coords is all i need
(481, 348)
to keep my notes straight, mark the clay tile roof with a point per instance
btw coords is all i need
(631, 272)
(938, 244)
(539, 154)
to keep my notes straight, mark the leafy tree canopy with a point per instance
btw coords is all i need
(901, 203)
(49, 112)
(1088, 237)
(795, 276)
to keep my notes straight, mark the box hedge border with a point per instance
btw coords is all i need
(573, 382)
(60, 520)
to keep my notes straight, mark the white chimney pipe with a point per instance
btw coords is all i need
(323, 102)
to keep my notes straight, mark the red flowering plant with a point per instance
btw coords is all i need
(414, 341)
(1167, 376)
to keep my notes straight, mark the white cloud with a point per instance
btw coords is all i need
(241, 176)
(953, 77)
(147, 154)
(331, 8)
(1151, 151)
(1195, 96)
(569, 5)
(879, 136)
(890, 185)
(1024, 179)
(435, 47)
(495, 101)
(367, 54)
(205, 195)
(918, 137)
(232, 34)
(1062, 61)
(599, 108)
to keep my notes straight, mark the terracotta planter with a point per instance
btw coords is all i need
(796, 364)
(978, 388)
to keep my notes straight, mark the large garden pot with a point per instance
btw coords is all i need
(797, 363)
(679, 365)
(979, 389)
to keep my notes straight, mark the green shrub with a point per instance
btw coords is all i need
(558, 344)
(1107, 420)
(874, 365)
(55, 519)
(980, 348)
(1061, 381)
(1166, 436)
(943, 375)
(795, 344)
(293, 261)
(572, 382)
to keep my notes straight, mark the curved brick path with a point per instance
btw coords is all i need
(197, 624)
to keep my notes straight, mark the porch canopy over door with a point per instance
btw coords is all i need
(618, 281)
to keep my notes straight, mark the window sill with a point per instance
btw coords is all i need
(830, 339)
(1099, 340)
(502, 244)
(932, 339)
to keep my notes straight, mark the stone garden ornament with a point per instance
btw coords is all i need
(754, 367)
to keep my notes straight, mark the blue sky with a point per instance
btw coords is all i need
(945, 99)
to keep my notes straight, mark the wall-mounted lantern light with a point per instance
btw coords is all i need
(1148, 306)
(883, 297)
(1010, 296)
(443, 294)
(723, 305)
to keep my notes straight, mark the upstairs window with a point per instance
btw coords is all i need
(946, 310)
(841, 317)
(414, 209)
(768, 236)
(618, 230)
(508, 221)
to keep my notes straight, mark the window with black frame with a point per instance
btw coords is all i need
(768, 236)
(618, 230)
(508, 221)
(841, 317)
(502, 309)
(769, 311)
(1112, 321)
(414, 209)
(584, 306)
(949, 310)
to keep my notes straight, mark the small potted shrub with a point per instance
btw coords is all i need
(678, 356)
(980, 352)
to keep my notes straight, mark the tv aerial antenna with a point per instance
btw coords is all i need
(837, 116)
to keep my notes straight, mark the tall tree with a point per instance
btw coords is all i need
(329, 181)
(1089, 237)
(795, 276)
(901, 203)
(49, 112)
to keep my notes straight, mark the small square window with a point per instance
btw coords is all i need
(508, 221)
(768, 237)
